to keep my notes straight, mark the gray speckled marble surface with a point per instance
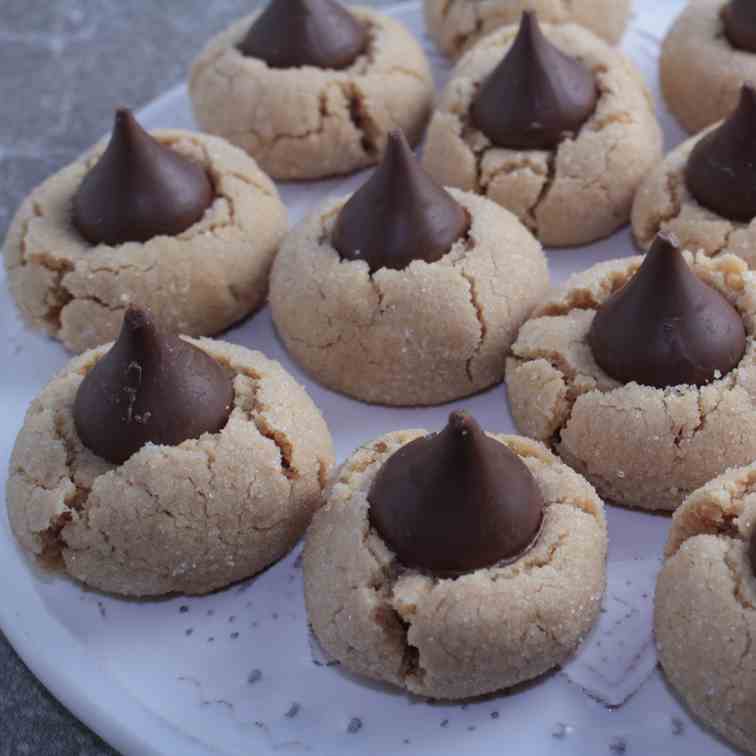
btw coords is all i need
(65, 65)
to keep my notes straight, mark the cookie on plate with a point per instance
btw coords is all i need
(181, 222)
(311, 89)
(641, 374)
(568, 161)
(705, 598)
(703, 190)
(161, 464)
(406, 294)
(455, 564)
(708, 54)
(457, 25)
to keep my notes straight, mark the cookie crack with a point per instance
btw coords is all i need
(360, 118)
(543, 195)
(478, 309)
(256, 414)
(673, 181)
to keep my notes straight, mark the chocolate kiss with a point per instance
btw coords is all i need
(536, 95)
(721, 170)
(139, 189)
(456, 501)
(666, 327)
(151, 387)
(739, 17)
(295, 33)
(399, 215)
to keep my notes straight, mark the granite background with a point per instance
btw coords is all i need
(64, 66)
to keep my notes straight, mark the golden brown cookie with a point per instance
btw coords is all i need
(427, 334)
(664, 203)
(584, 189)
(308, 122)
(457, 25)
(199, 282)
(705, 599)
(701, 72)
(454, 638)
(190, 518)
(639, 446)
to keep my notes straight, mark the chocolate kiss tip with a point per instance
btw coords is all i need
(456, 501)
(666, 327)
(399, 214)
(536, 96)
(462, 422)
(139, 189)
(721, 169)
(739, 18)
(150, 387)
(136, 318)
(295, 33)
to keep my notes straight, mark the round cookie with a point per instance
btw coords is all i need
(665, 204)
(199, 282)
(304, 123)
(583, 190)
(705, 599)
(454, 638)
(426, 334)
(190, 518)
(701, 72)
(639, 446)
(457, 25)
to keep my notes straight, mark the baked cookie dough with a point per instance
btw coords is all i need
(701, 72)
(584, 189)
(705, 599)
(199, 282)
(665, 204)
(457, 25)
(303, 123)
(190, 518)
(639, 446)
(454, 638)
(426, 334)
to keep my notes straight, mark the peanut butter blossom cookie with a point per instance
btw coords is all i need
(311, 88)
(709, 53)
(175, 220)
(704, 192)
(552, 124)
(641, 373)
(457, 25)
(406, 293)
(162, 464)
(705, 599)
(455, 564)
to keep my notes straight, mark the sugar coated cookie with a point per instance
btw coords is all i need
(703, 190)
(309, 120)
(570, 179)
(703, 66)
(406, 294)
(640, 441)
(200, 269)
(418, 602)
(457, 25)
(160, 465)
(705, 598)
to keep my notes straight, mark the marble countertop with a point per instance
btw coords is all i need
(66, 65)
